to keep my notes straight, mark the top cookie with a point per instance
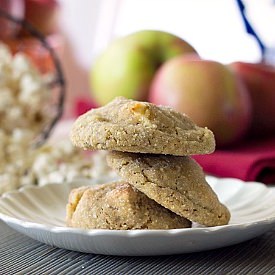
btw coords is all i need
(141, 127)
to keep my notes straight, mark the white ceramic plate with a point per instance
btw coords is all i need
(39, 213)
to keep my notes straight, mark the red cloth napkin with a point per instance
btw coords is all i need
(250, 161)
(83, 105)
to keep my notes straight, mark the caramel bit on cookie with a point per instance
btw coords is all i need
(142, 111)
(141, 108)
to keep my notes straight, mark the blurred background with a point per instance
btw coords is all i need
(214, 28)
(225, 31)
(80, 32)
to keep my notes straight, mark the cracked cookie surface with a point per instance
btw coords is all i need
(118, 205)
(141, 127)
(177, 183)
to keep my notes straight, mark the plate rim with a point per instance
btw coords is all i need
(126, 233)
(135, 242)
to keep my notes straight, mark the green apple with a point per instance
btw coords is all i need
(208, 92)
(127, 66)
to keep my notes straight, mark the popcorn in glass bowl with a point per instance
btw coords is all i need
(24, 95)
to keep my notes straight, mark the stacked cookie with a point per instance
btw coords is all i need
(150, 148)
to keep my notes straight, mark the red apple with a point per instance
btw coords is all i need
(42, 14)
(15, 8)
(260, 81)
(208, 92)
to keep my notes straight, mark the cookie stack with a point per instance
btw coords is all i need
(150, 148)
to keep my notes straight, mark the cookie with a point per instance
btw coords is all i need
(177, 183)
(141, 127)
(118, 205)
